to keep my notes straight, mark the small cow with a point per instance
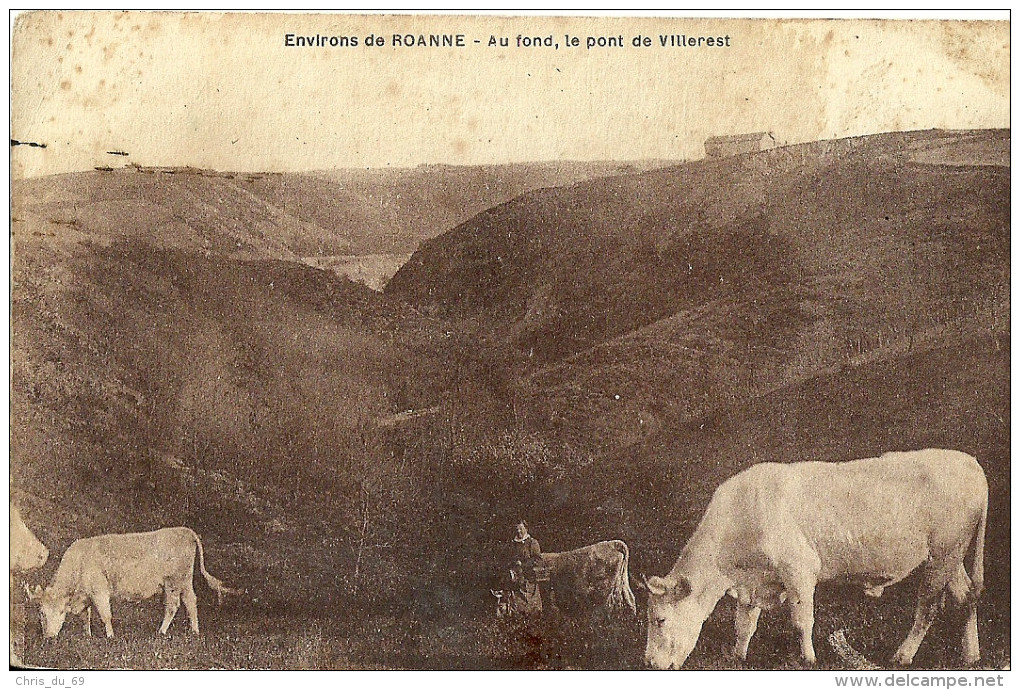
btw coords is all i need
(594, 577)
(774, 531)
(130, 567)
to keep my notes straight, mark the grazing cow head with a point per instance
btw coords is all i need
(676, 612)
(504, 597)
(53, 609)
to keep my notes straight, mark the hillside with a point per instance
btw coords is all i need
(871, 233)
(154, 386)
(390, 211)
(293, 216)
(632, 301)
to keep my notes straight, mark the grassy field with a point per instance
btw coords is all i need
(239, 636)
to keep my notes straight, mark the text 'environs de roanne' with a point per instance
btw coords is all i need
(397, 40)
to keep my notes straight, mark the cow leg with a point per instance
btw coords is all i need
(929, 597)
(171, 602)
(745, 620)
(960, 588)
(191, 605)
(799, 578)
(102, 604)
(86, 616)
(802, 613)
(548, 597)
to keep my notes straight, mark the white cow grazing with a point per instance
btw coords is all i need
(774, 531)
(131, 567)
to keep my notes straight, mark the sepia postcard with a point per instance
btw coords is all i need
(443, 342)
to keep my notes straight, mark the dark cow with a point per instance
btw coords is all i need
(592, 578)
(774, 531)
(131, 567)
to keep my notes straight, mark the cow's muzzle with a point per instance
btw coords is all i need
(652, 664)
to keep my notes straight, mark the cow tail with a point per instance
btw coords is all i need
(214, 583)
(624, 584)
(977, 560)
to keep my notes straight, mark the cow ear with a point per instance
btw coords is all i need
(640, 584)
(655, 585)
(495, 593)
(659, 586)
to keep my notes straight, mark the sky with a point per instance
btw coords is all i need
(224, 91)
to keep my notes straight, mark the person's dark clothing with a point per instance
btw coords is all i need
(534, 595)
(529, 553)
